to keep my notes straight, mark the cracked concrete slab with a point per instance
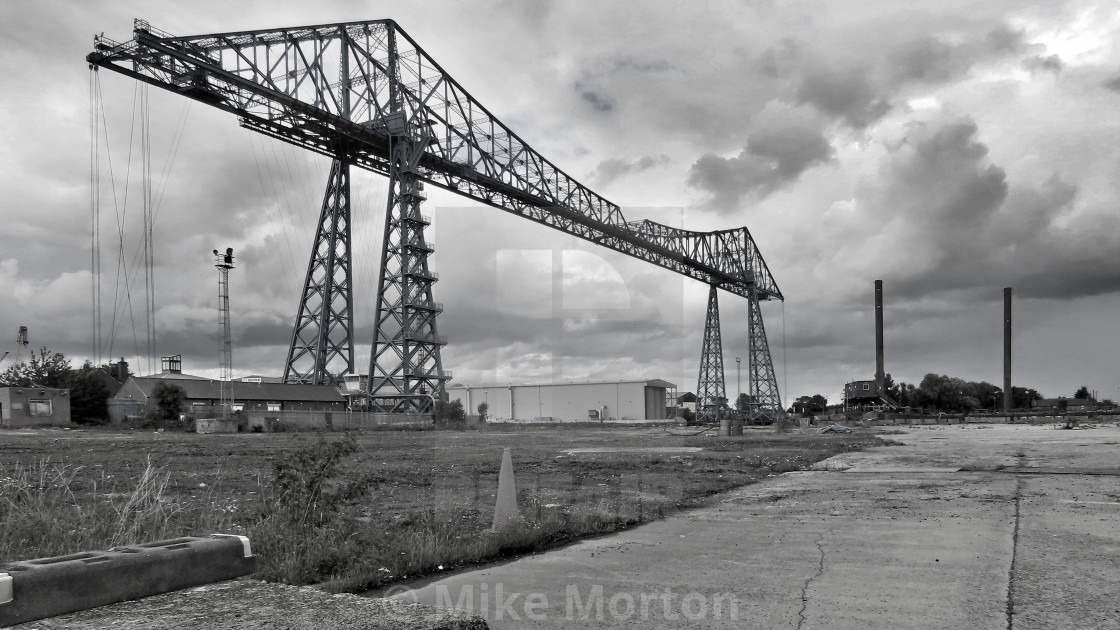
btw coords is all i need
(921, 535)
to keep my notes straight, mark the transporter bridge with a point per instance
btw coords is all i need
(368, 96)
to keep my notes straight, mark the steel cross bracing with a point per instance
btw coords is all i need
(322, 347)
(711, 395)
(765, 402)
(338, 88)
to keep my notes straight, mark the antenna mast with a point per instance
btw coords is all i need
(224, 262)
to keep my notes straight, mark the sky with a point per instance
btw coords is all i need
(948, 148)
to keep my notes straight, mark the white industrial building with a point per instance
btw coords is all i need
(616, 401)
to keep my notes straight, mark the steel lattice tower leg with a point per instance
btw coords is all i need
(710, 392)
(406, 372)
(765, 400)
(322, 348)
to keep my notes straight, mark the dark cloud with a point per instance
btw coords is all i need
(614, 168)
(598, 101)
(1004, 40)
(782, 59)
(773, 157)
(968, 230)
(859, 90)
(1038, 63)
(1113, 83)
(844, 93)
(941, 170)
(928, 59)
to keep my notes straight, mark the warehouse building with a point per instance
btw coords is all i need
(616, 401)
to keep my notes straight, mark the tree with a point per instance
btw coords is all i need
(169, 399)
(1082, 393)
(49, 369)
(88, 396)
(811, 404)
(743, 402)
(449, 411)
(1023, 398)
(483, 409)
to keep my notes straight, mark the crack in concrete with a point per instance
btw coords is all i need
(1014, 556)
(805, 587)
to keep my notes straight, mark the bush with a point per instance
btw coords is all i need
(306, 534)
(449, 412)
(169, 400)
(784, 423)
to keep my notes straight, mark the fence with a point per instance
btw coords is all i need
(259, 421)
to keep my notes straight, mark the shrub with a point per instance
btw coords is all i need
(449, 412)
(305, 533)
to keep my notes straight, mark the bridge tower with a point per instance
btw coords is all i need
(765, 401)
(711, 394)
(322, 346)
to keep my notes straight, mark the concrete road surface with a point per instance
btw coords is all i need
(963, 527)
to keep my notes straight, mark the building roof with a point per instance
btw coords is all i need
(276, 392)
(648, 382)
(175, 376)
(251, 378)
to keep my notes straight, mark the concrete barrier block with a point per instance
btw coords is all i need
(47, 587)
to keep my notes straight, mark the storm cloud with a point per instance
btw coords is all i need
(771, 159)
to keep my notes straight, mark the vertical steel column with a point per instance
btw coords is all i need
(710, 392)
(765, 401)
(322, 348)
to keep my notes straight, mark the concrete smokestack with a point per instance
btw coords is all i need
(880, 375)
(1007, 402)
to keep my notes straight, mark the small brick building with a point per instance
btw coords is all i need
(34, 407)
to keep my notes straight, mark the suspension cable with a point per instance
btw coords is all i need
(95, 219)
(785, 365)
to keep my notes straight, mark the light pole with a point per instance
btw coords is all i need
(224, 262)
(738, 383)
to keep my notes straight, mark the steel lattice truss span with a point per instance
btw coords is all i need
(353, 91)
(286, 83)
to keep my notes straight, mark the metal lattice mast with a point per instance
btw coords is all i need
(710, 392)
(322, 348)
(224, 262)
(406, 372)
(765, 399)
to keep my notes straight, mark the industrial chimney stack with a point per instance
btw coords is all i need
(1007, 400)
(880, 374)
